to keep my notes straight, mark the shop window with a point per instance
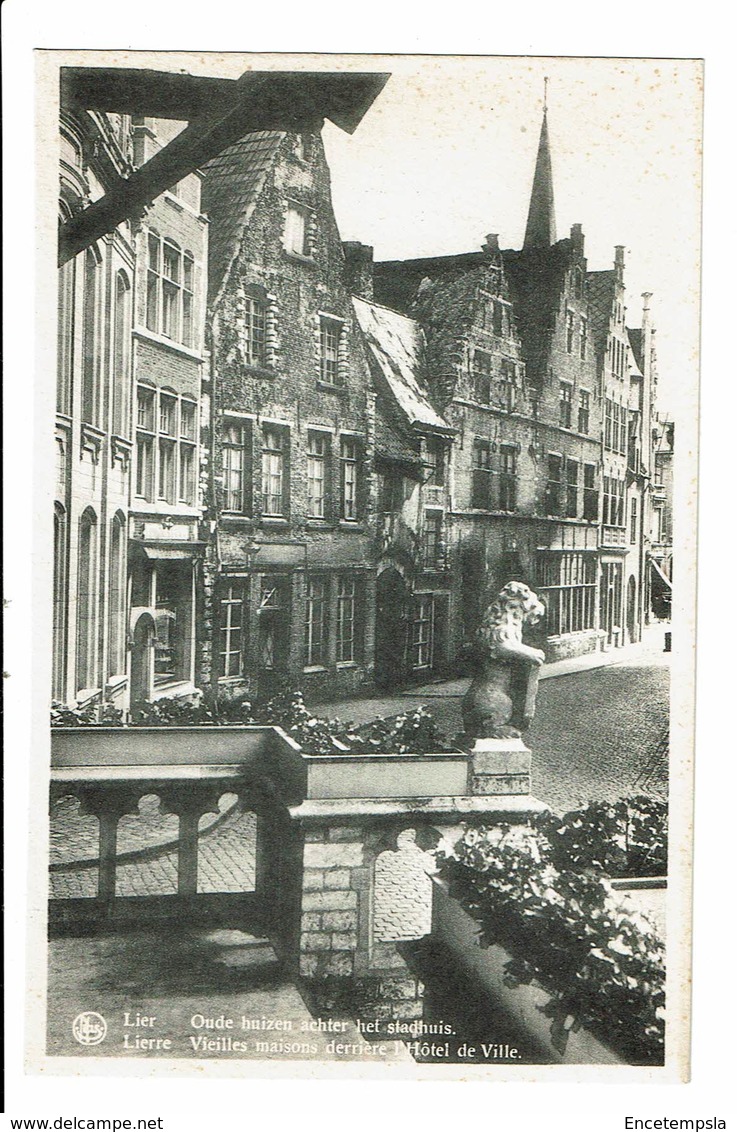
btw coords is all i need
(316, 622)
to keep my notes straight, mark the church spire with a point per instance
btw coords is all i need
(540, 231)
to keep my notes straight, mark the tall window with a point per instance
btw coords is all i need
(117, 597)
(570, 330)
(633, 521)
(433, 539)
(297, 231)
(65, 337)
(121, 355)
(87, 602)
(608, 422)
(170, 290)
(254, 331)
(346, 620)
(584, 405)
(171, 285)
(567, 586)
(318, 451)
(316, 621)
(481, 475)
(272, 470)
(188, 299)
(571, 489)
(91, 340)
(153, 282)
(507, 478)
(330, 334)
(145, 429)
(349, 477)
(236, 442)
(187, 452)
(554, 485)
(566, 404)
(590, 493)
(421, 641)
(231, 628)
(481, 376)
(167, 447)
(582, 337)
(509, 385)
(60, 603)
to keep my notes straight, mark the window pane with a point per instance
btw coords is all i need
(346, 618)
(272, 472)
(315, 623)
(349, 467)
(330, 332)
(254, 332)
(317, 449)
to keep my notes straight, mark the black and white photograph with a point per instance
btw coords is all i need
(371, 580)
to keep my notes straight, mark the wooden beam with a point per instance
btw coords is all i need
(257, 101)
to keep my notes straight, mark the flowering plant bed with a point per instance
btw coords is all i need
(411, 732)
(565, 931)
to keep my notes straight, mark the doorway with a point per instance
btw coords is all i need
(392, 611)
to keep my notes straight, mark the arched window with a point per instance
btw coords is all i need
(59, 644)
(91, 339)
(87, 601)
(117, 596)
(121, 356)
(65, 337)
(170, 290)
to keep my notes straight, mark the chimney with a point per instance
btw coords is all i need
(491, 244)
(577, 237)
(359, 268)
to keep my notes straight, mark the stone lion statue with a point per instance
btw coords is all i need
(500, 703)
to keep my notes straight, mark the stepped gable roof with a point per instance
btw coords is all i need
(396, 345)
(601, 289)
(229, 193)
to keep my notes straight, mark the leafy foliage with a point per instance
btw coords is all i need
(620, 839)
(602, 965)
(91, 715)
(411, 732)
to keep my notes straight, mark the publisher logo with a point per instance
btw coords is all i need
(89, 1028)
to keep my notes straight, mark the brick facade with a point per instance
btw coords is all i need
(289, 581)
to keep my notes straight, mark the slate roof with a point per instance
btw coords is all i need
(229, 194)
(635, 337)
(396, 345)
(601, 296)
(391, 443)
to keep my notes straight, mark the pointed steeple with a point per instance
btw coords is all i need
(540, 231)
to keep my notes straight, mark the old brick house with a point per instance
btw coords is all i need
(289, 584)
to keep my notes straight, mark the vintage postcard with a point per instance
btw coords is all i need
(369, 395)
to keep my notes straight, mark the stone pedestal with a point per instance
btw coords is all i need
(499, 766)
